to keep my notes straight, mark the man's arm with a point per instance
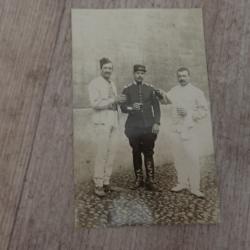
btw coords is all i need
(162, 96)
(126, 107)
(96, 100)
(156, 108)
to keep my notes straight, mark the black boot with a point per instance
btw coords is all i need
(150, 185)
(107, 188)
(139, 182)
(137, 162)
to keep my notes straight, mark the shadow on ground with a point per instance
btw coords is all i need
(140, 207)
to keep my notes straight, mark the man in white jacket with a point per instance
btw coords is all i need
(189, 106)
(104, 101)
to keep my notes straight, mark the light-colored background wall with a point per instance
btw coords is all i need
(163, 40)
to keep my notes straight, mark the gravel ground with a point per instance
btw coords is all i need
(140, 207)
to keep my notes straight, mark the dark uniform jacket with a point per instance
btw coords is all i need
(150, 112)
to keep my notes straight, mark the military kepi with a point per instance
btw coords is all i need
(139, 67)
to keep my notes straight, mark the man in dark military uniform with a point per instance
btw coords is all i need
(142, 125)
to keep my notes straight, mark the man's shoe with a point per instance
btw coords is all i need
(107, 188)
(197, 193)
(138, 184)
(99, 191)
(178, 188)
(150, 186)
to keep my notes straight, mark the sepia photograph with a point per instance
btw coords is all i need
(143, 137)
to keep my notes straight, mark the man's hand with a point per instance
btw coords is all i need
(137, 106)
(159, 93)
(162, 96)
(120, 99)
(156, 128)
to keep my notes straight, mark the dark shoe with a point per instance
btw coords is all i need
(138, 184)
(150, 186)
(99, 191)
(107, 188)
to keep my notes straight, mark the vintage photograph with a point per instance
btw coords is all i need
(143, 139)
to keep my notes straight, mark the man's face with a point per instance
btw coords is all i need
(139, 76)
(183, 77)
(106, 70)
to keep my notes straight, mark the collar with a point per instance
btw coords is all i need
(108, 81)
(186, 86)
(134, 82)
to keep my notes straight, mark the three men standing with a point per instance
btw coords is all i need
(141, 102)
(142, 125)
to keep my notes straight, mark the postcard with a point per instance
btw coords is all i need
(143, 140)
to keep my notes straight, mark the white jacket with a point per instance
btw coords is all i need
(193, 101)
(101, 95)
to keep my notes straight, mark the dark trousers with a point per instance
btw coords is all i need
(142, 141)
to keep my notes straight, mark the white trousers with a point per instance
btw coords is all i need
(106, 139)
(186, 158)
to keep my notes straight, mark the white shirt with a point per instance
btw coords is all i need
(101, 95)
(193, 101)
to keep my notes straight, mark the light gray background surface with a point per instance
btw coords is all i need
(36, 178)
(163, 40)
